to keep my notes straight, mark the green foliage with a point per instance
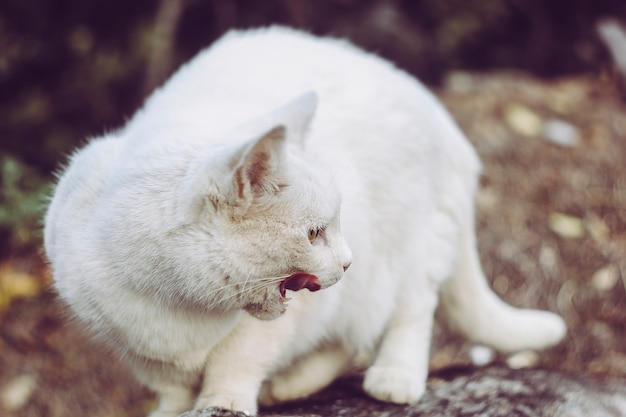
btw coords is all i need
(22, 196)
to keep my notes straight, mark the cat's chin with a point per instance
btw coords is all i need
(267, 311)
(267, 305)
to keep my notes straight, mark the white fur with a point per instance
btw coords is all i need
(163, 234)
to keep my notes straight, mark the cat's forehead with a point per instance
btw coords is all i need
(317, 195)
(298, 206)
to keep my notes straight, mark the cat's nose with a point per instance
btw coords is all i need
(346, 266)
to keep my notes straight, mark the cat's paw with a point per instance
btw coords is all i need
(394, 384)
(228, 401)
(280, 390)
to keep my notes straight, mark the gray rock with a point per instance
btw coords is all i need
(485, 392)
(213, 412)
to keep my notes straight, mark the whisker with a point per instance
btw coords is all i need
(257, 284)
(243, 291)
(264, 279)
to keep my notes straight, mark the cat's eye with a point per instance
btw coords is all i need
(313, 234)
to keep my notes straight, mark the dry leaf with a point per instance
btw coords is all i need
(523, 359)
(17, 392)
(15, 284)
(522, 120)
(566, 226)
(605, 278)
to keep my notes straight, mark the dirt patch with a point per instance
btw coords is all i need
(551, 218)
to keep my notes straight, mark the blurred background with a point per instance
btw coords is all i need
(71, 69)
(531, 82)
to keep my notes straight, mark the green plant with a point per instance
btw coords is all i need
(22, 196)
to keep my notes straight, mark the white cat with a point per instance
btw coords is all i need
(178, 238)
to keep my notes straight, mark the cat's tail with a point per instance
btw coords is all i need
(480, 315)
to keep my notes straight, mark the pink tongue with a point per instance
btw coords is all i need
(299, 280)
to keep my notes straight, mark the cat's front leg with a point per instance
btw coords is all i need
(173, 400)
(307, 375)
(237, 367)
(400, 369)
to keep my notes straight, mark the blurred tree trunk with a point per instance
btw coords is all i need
(160, 61)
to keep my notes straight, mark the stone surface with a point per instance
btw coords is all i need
(485, 392)
(214, 412)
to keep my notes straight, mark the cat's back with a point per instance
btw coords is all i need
(245, 74)
(372, 117)
(374, 122)
(69, 237)
(79, 186)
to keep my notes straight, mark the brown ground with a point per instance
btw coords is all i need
(49, 368)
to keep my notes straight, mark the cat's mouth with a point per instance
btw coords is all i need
(298, 281)
(272, 307)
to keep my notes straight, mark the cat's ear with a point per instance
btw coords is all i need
(296, 115)
(258, 170)
(232, 178)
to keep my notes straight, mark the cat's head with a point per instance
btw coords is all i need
(269, 214)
